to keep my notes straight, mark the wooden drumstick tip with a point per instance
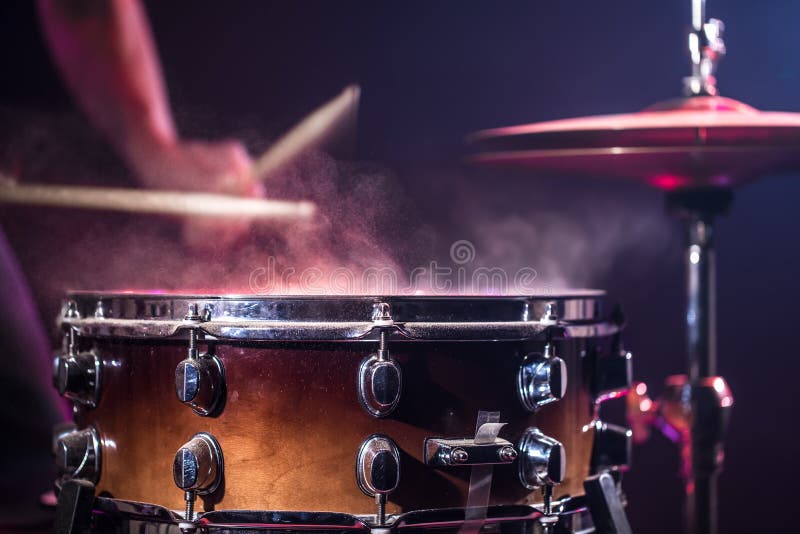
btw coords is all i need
(312, 131)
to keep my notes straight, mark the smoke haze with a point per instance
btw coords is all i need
(367, 219)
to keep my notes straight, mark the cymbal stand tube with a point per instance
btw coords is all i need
(698, 14)
(698, 210)
(706, 49)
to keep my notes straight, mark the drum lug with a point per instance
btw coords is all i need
(378, 471)
(198, 465)
(543, 460)
(542, 464)
(541, 379)
(200, 378)
(379, 384)
(380, 379)
(77, 375)
(78, 454)
(197, 469)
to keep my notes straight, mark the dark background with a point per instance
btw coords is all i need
(431, 72)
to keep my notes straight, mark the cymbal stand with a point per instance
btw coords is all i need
(707, 400)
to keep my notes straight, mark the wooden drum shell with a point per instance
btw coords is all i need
(292, 423)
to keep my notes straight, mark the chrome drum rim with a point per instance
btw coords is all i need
(335, 318)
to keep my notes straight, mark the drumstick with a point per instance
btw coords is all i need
(312, 131)
(147, 201)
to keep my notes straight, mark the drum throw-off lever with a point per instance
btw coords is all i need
(380, 379)
(480, 482)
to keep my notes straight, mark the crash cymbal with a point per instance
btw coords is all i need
(697, 141)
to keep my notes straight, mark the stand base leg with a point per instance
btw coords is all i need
(74, 508)
(608, 514)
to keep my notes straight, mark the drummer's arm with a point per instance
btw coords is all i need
(106, 55)
(105, 51)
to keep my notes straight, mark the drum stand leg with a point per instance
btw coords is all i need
(608, 513)
(709, 401)
(74, 508)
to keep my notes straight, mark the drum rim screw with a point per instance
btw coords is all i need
(459, 455)
(507, 454)
(550, 315)
(382, 314)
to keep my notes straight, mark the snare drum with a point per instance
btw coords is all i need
(345, 413)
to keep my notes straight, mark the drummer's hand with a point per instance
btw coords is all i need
(213, 167)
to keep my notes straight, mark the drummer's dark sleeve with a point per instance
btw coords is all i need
(30, 405)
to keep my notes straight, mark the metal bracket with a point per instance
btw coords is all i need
(452, 452)
(612, 447)
(613, 376)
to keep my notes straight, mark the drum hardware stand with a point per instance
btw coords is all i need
(74, 508)
(708, 410)
(605, 506)
(694, 409)
(705, 404)
(706, 49)
(697, 147)
(707, 400)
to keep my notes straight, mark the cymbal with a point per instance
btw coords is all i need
(692, 142)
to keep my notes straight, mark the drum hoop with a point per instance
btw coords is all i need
(282, 520)
(331, 318)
